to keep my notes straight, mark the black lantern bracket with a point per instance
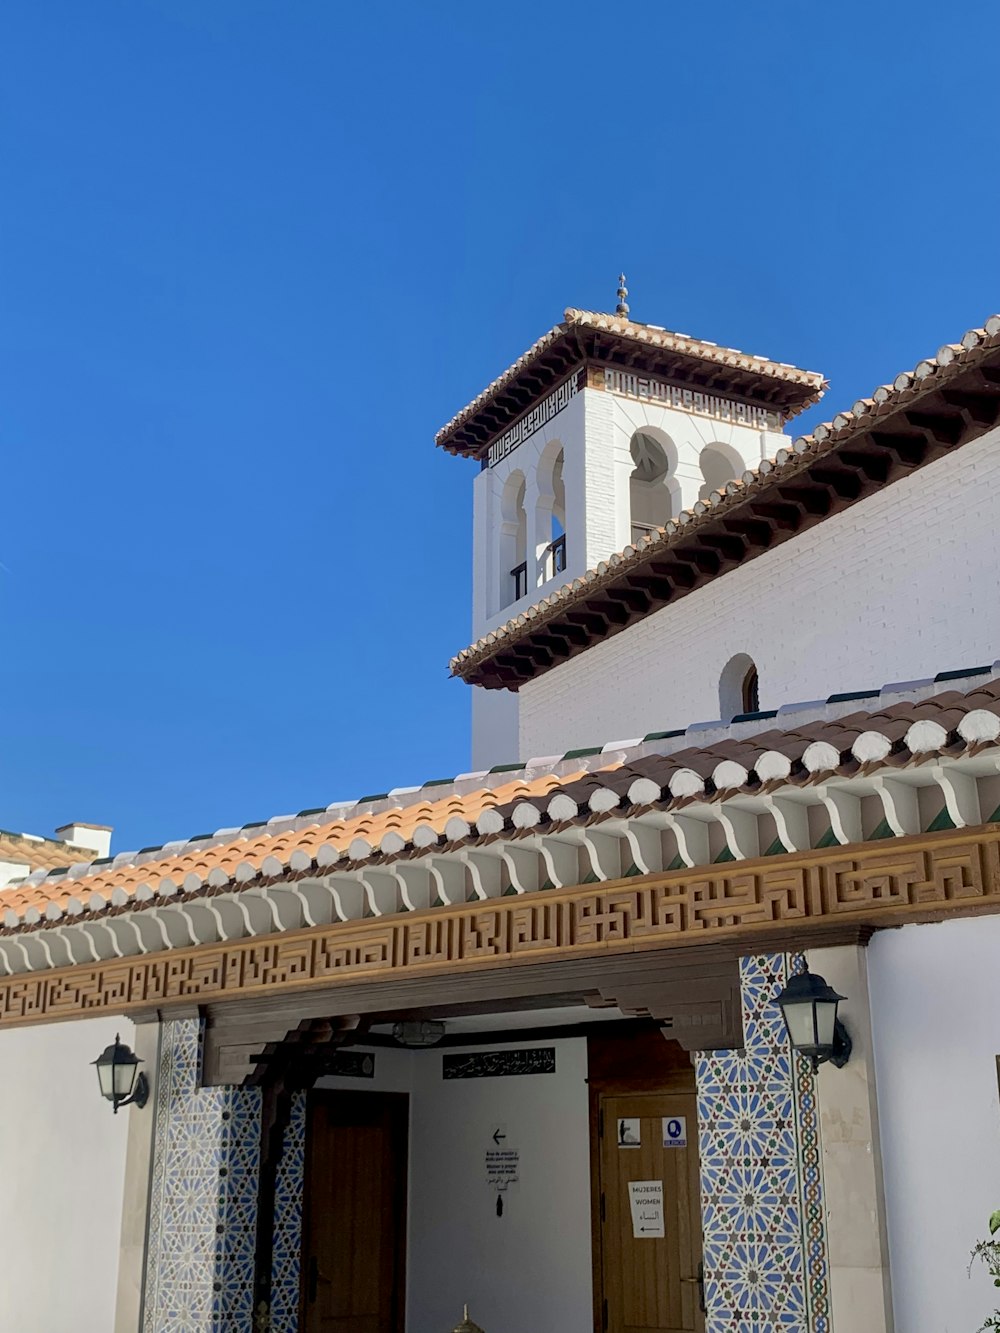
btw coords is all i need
(140, 1094)
(840, 1051)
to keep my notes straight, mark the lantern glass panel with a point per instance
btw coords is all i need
(105, 1076)
(826, 1018)
(799, 1021)
(125, 1073)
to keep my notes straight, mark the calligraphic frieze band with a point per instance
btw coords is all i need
(539, 415)
(925, 877)
(691, 400)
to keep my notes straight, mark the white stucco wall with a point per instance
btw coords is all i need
(530, 1268)
(594, 431)
(900, 586)
(936, 1029)
(494, 728)
(62, 1169)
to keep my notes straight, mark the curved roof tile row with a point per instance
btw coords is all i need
(950, 723)
(653, 336)
(948, 362)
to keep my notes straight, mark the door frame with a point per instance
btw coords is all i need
(611, 1061)
(399, 1102)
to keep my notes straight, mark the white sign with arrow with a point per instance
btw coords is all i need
(646, 1199)
(503, 1164)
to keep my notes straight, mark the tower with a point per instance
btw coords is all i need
(603, 431)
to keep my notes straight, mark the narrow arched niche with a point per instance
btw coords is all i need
(550, 522)
(513, 540)
(651, 482)
(739, 687)
(719, 464)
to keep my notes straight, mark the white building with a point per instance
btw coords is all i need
(512, 1039)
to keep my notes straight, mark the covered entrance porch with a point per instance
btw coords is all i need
(587, 1145)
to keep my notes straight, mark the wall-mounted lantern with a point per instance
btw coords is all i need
(119, 1076)
(809, 1008)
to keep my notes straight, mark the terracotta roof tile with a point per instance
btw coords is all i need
(750, 757)
(806, 386)
(867, 414)
(40, 853)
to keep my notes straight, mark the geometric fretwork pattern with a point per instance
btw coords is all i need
(766, 1264)
(886, 883)
(203, 1200)
(286, 1258)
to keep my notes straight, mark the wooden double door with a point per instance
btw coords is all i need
(650, 1214)
(354, 1221)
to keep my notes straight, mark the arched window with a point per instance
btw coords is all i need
(719, 464)
(739, 687)
(550, 530)
(650, 501)
(513, 541)
(558, 498)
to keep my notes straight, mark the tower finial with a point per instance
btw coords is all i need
(622, 307)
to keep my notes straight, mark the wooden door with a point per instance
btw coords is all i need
(650, 1257)
(354, 1225)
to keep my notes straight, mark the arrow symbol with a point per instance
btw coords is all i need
(497, 1136)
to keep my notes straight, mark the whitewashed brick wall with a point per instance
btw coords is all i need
(900, 586)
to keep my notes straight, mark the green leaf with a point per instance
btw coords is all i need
(995, 1222)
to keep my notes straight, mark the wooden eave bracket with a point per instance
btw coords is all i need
(699, 1008)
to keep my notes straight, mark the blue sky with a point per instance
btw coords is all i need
(253, 255)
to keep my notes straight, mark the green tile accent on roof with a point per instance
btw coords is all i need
(753, 717)
(632, 871)
(777, 848)
(583, 753)
(881, 830)
(677, 863)
(941, 820)
(849, 695)
(829, 839)
(664, 735)
(436, 782)
(994, 817)
(507, 768)
(724, 855)
(315, 810)
(379, 796)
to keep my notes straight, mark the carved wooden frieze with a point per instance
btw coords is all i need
(816, 893)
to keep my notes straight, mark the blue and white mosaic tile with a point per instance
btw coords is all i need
(286, 1257)
(766, 1262)
(203, 1200)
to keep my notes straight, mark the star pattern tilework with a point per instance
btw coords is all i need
(203, 1200)
(766, 1263)
(286, 1255)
